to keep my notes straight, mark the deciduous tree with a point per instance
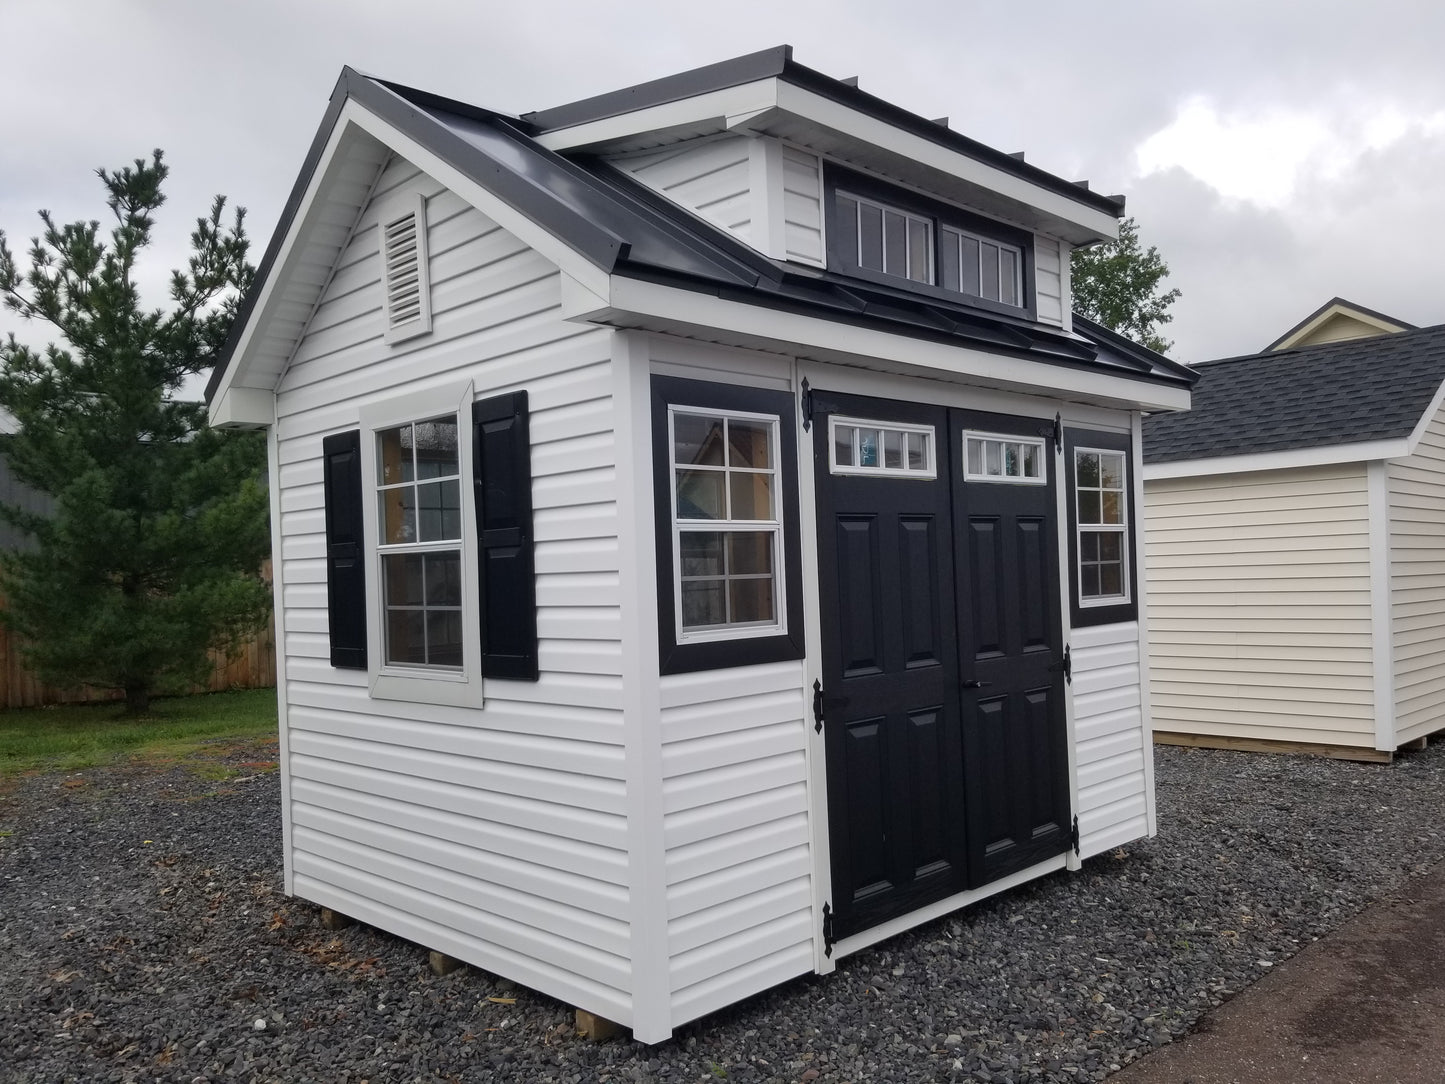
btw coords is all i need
(152, 552)
(1120, 284)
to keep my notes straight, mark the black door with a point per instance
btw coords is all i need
(933, 787)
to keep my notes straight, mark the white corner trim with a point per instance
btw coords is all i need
(709, 316)
(1297, 457)
(1377, 481)
(242, 408)
(278, 635)
(769, 229)
(1141, 587)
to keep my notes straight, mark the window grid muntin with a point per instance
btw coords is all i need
(1092, 533)
(448, 544)
(907, 433)
(1003, 284)
(770, 528)
(1000, 442)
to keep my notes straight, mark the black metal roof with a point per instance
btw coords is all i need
(1309, 397)
(778, 62)
(624, 228)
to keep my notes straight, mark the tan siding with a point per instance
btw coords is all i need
(735, 829)
(709, 177)
(1259, 605)
(497, 834)
(1109, 735)
(1417, 584)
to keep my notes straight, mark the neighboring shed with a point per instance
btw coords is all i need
(704, 539)
(1295, 524)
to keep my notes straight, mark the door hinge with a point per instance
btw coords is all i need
(1055, 431)
(827, 930)
(1066, 664)
(1074, 834)
(805, 402)
(817, 707)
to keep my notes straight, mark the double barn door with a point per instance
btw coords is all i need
(943, 669)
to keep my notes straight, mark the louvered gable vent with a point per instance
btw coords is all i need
(404, 269)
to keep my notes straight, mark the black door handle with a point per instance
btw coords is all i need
(975, 684)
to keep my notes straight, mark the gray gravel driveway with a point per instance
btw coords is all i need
(144, 937)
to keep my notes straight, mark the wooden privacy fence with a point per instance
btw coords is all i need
(253, 667)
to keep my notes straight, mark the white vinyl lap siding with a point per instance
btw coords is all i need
(709, 177)
(1417, 585)
(1259, 605)
(803, 206)
(1111, 748)
(500, 834)
(1049, 279)
(735, 829)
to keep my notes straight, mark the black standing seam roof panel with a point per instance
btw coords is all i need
(1311, 397)
(616, 222)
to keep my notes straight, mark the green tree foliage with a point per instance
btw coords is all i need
(153, 550)
(1120, 285)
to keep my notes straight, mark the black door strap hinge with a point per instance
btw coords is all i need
(818, 707)
(1074, 834)
(1066, 664)
(1056, 431)
(806, 404)
(827, 930)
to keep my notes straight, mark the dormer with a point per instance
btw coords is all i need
(812, 171)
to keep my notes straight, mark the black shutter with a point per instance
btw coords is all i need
(502, 476)
(345, 562)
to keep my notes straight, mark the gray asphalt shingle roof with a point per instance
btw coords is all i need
(1307, 397)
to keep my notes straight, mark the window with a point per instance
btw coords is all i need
(430, 573)
(727, 534)
(867, 447)
(895, 236)
(989, 458)
(1101, 545)
(419, 540)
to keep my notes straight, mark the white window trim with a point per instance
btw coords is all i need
(927, 474)
(910, 216)
(1010, 438)
(1002, 246)
(1121, 529)
(390, 682)
(391, 211)
(775, 526)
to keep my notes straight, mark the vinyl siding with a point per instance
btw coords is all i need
(1259, 605)
(1417, 585)
(710, 177)
(1049, 280)
(803, 206)
(497, 834)
(1110, 746)
(735, 806)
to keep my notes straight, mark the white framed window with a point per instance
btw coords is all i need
(980, 266)
(726, 523)
(887, 239)
(996, 457)
(861, 446)
(1102, 516)
(421, 553)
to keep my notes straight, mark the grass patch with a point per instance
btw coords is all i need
(74, 736)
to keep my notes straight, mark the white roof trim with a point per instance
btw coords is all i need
(634, 303)
(1296, 457)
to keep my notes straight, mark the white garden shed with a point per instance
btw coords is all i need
(1296, 544)
(704, 540)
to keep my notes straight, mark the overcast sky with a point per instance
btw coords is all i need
(1277, 153)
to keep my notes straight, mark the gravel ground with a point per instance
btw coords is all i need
(144, 936)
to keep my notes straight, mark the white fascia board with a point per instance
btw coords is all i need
(1418, 433)
(830, 114)
(1297, 457)
(242, 408)
(503, 214)
(727, 107)
(634, 303)
(271, 289)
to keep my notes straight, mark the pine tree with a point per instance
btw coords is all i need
(1119, 284)
(152, 553)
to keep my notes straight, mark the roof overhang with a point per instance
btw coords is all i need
(637, 303)
(1294, 458)
(826, 116)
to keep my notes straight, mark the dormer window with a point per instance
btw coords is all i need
(901, 238)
